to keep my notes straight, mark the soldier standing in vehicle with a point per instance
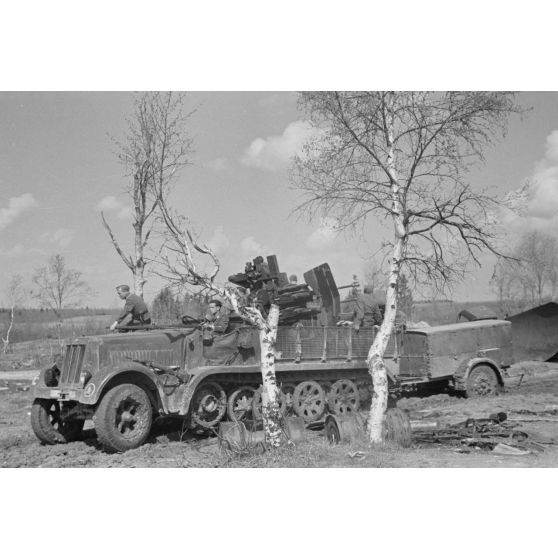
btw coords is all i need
(365, 312)
(135, 310)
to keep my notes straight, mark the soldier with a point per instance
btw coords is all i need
(218, 318)
(365, 312)
(135, 310)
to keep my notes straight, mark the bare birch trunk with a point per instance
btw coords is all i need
(7, 339)
(139, 282)
(375, 360)
(139, 264)
(271, 408)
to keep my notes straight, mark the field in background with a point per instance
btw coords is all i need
(34, 337)
(36, 324)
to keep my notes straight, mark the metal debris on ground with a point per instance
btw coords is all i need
(360, 455)
(493, 433)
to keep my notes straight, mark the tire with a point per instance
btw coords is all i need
(397, 427)
(47, 425)
(482, 382)
(123, 418)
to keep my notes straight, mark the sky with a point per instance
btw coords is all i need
(59, 169)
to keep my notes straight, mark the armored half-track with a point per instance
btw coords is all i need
(123, 381)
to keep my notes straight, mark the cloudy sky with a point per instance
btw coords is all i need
(58, 170)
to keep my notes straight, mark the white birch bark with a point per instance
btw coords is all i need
(139, 266)
(6, 340)
(375, 360)
(271, 407)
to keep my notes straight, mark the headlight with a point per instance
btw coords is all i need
(84, 377)
(51, 376)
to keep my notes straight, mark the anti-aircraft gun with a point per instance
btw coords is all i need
(122, 381)
(318, 297)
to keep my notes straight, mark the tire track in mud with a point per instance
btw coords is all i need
(535, 391)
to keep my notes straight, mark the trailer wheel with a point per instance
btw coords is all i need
(123, 418)
(482, 382)
(49, 427)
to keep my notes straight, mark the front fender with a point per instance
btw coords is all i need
(464, 369)
(126, 370)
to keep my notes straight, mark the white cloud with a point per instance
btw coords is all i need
(535, 205)
(16, 206)
(251, 248)
(323, 236)
(275, 152)
(16, 250)
(109, 203)
(219, 242)
(61, 238)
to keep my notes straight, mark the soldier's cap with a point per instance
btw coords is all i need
(216, 301)
(124, 288)
(368, 289)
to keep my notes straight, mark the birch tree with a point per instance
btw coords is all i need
(401, 158)
(58, 287)
(154, 151)
(178, 266)
(15, 293)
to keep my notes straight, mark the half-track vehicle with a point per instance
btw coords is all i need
(123, 381)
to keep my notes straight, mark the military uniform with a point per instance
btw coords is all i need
(220, 322)
(365, 313)
(136, 311)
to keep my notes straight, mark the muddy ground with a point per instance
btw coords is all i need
(531, 388)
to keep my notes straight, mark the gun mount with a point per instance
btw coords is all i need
(123, 380)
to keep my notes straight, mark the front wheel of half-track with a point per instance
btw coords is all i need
(48, 425)
(123, 418)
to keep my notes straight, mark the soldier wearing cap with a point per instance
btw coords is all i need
(135, 310)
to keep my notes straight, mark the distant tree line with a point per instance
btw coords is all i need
(167, 307)
(529, 277)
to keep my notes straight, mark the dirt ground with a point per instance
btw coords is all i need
(531, 388)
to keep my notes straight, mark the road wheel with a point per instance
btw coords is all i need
(343, 397)
(49, 427)
(309, 401)
(209, 405)
(239, 404)
(123, 418)
(482, 381)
